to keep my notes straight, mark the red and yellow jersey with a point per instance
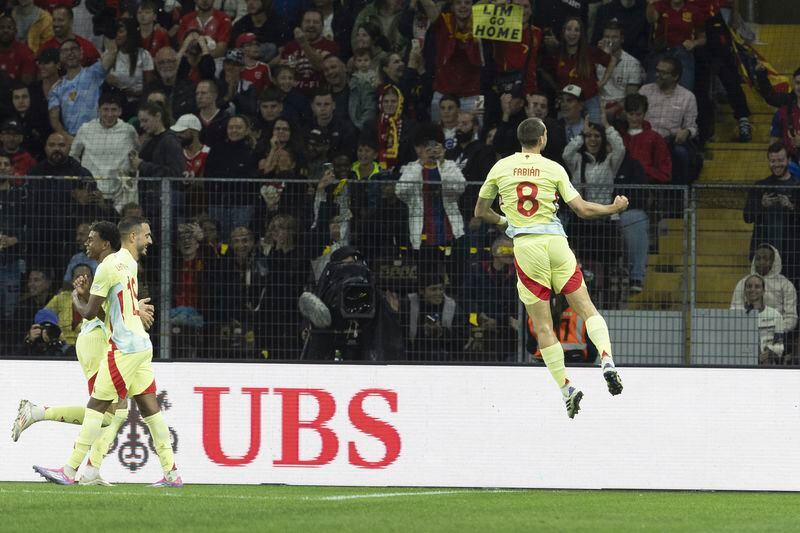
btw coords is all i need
(529, 186)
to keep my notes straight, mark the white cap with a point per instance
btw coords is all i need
(574, 90)
(187, 122)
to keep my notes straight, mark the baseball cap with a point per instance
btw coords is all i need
(318, 136)
(10, 124)
(245, 38)
(45, 316)
(187, 122)
(234, 56)
(573, 90)
(49, 55)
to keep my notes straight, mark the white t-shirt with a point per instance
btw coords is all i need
(126, 82)
(627, 72)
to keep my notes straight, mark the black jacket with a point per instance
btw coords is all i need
(232, 160)
(162, 156)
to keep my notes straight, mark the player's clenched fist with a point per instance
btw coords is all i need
(621, 203)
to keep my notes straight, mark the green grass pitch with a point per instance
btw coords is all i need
(44, 507)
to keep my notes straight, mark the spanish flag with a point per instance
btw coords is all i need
(748, 57)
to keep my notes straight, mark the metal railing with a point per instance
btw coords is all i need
(231, 258)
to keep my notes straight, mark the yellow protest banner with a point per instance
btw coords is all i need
(498, 22)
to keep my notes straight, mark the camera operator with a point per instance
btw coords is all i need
(44, 337)
(349, 318)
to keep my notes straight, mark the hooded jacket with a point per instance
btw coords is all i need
(779, 293)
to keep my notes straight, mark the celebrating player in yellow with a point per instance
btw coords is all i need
(529, 186)
(91, 348)
(126, 370)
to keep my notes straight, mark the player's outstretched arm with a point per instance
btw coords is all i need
(585, 209)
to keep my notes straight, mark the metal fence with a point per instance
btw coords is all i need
(231, 258)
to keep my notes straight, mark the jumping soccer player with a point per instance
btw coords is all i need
(529, 186)
(127, 369)
(91, 347)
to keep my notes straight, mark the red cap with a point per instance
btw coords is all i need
(245, 38)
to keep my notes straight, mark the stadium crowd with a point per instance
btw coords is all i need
(339, 122)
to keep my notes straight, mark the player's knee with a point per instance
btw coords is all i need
(544, 333)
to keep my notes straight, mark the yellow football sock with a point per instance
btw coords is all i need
(71, 414)
(161, 440)
(597, 330)
(90, 430)
(107, 436)
(553, 357)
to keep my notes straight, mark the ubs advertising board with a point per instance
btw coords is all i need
(448, 426)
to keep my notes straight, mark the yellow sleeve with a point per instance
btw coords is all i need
(103, 281)
(565, 188)
(489, 188)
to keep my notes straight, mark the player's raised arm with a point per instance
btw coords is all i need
(585, 209)
(88, 305)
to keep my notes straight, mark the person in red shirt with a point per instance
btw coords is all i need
(211, 22)
(254, 71)
(454, 55)
(679, 29)
(189, 198)
(575, 63)
(12, 135)
(16, 59)
(307, 51)
(62, 31)
(153, 38)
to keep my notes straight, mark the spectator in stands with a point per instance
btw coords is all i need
(295, 104)
(238, 95)
(335, 74)
(630, 14)
(211, 23)
(285, 142)
(679, 29)
(43, 338)
(449, 107)
(48, 64)
(572, 111)
(436, 326)
(469, 153)
(576, 62)
(773, 210)
(132, 69)
(779, 294)
(452, 52)
(88, 202)
(189, 196)
(370, 41)
(338, 129)
(16, 59)
(63, 19)
(102, 146)
(538, 105)
(431, 187)
(270, 108)
(33, 120)
(786, 122)
(393, 129)
(69, 319)
(14, 216)
(387, 14)
(213, 119)
(79, 257)
(627, 76)
(270, 29)
(57, 161)
(38, 291)
(34, 25)
(175, 73)
(672, 112)
(513, 64)
(337, 23)
(491, 288)
(362, 91)
(770, 322)
(152, 36)
(255, 71)
(287, 270)
(12, 136)
(191, 269)
(306, 52)
(73, 100)
(233, 204)
(648, 162)
(551, 17)
(162, 154)
(512, 113)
